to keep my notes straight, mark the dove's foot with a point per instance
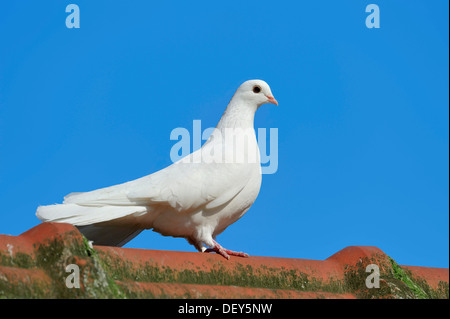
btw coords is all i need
(226, 253)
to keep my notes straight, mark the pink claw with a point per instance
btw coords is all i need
(226, 253)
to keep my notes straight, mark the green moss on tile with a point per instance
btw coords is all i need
(406, 277)
(52, 257)
(395, 282)
(23, 290)
(390, 287)
(243, 276)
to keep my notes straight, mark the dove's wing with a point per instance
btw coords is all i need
(184, 186)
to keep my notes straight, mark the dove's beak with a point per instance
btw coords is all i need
(272, 100)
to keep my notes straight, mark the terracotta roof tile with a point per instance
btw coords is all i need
(33, 265)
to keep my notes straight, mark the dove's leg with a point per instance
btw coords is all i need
(197, 244)
(225, 252)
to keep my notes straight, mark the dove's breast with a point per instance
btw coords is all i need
(229, 189)
(241, 203)
(216, 219)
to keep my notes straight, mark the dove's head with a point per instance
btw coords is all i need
(256, 92)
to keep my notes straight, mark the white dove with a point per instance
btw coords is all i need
(196, 198)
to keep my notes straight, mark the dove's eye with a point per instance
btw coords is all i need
(256, 89)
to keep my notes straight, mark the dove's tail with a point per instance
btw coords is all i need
(110, 235)
(104, 225)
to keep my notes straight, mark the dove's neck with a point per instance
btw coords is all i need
(238, 114)
(235, 136)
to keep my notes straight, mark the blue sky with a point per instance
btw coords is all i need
(362, 119)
